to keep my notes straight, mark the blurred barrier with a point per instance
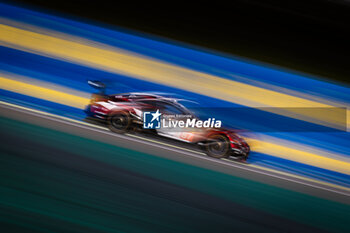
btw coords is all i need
(43, 93)
(89, 53)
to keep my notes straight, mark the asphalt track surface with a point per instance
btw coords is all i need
(200, 212)
(217, 213)
(180, 152)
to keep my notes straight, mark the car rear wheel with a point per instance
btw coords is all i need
(218, 146)
(119, 122)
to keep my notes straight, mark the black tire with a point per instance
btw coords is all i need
(119, 122)
(218, 146)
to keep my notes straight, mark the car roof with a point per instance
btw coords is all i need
(138, 95)
(146, 96)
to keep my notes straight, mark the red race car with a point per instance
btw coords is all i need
(165, 117)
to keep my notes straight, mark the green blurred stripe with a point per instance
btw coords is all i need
(292, 205)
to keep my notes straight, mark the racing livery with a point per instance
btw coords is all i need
(126, 112)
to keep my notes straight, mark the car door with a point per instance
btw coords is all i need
(173, 113)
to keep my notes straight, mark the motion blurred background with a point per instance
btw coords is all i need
(286, 62)
(308, 36)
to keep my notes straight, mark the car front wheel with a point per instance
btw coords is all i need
(218, 146)
(119, 122)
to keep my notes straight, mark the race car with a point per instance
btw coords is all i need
(126, 112)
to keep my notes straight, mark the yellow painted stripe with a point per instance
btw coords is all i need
(273, 149)
(300, 156)
(115, 60)
(43, 93)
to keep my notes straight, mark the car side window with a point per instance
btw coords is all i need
(149, 103)
(169, 108)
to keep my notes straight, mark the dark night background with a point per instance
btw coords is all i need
(307, 36)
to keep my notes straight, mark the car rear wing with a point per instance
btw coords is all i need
(101, 95)
(98, 85)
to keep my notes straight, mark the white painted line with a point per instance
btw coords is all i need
(192, 153)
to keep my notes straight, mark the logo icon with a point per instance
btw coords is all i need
(151, 120)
